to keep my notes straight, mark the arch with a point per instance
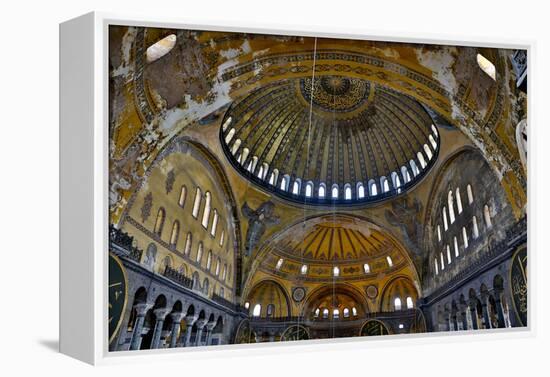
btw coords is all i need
(334, 296)
(405, 174)
(396, 181)
(487, 216)
(322, 190)
(470, 194)
(373, 327)
(398, 287)
(270, 292)
(414, 168)
(360, 190)
(450, 202)
(384, 184)
(274, 177)
(432, 141)
(207, 208)
(236, 146)
(197, 202)
(229, 136)
(206, 286)
(475, 229)
(309, 189)
(521, 141)
(373, 191)
(175, 233)
(199, 253)
(334, 191)
(214, 223)
(188, 243)
(458, 201)
(159, 223)
(285, 182)
(209, 260)
(347, 191)
(296, 186)
(183, 195)
(421, 159)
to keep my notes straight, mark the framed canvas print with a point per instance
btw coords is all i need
(241, 187)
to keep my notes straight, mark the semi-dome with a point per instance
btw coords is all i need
(333, 247)
(330, 139)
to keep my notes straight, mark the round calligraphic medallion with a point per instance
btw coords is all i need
(518, 284)
(374, 327)
(118, 294)
(372, 291)
(298, 294)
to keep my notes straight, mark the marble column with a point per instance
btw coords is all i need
(209, 327)
(141, 310)
(473, 313)
(463, 314)
(174, 332)
(200, 329)
(500, 310)
(189, 322)
(485, 311)
(160, 315)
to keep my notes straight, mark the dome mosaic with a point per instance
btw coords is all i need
(330, 140)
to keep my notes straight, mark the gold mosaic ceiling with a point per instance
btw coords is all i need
(329, 139)
(355, 246)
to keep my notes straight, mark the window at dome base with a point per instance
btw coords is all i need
(350, 142)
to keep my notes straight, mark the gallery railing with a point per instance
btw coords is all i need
(178, 277)
(122, 244)
(223, 301)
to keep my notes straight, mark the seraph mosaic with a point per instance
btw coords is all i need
(267, 188)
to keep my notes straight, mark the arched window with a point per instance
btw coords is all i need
(254, 162)
(421, 160)
(432, 142)
(214, 224)
(209, 260)
(226, 123)
(160, 48)
(257, 310)
(414, 168)
(475, 228)
(395, 180)
(236, 146)
(451, 207)
(465, 237)
(325, 313)
(428, 151)
(445, 223)
(284, 182)
(384, 184)
(470, 194)
(183, 194)
(521, 141)
(246, 151)
(410, 304)
(279, 264)
(222, 236)
(373, 191)
(335, 313)
(405, 174)
(262, 171)
(229, 135)
(205, 286)
(455, 241)
(270, 310)
(224, 271)
(434, 130)
(436, 266)
(197, 203)
(458, 200)
(346, 313)
(438, 233)
(366, 268)
(334, 191)
(442, 260)
(389, 260)
(322, 190)
(347, 191)
(448, 248)
(206, 213)
(199, 253)
(316, 313)
(159, 224)
(175, 233)
(397, 303)
(222, 292)
(354, 311)
(486, 66)
(487, 215)
(188, 242)
(296, 186)
(335, 271)
(360, 190)
(218, 264)
(303, 270)
(309, 189)
(274, 176)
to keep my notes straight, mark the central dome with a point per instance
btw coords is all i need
(330, 140)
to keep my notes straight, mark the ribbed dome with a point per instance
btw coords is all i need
(357, 248)
(330, 139)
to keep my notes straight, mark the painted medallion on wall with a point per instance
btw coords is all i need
(518, 284)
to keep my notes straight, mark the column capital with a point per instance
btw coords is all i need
(201, 323)
(176, 317)
(191, 319)
(141, 308)
(210, 325)
(161, 313)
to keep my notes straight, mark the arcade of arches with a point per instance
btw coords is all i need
(268, 188)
